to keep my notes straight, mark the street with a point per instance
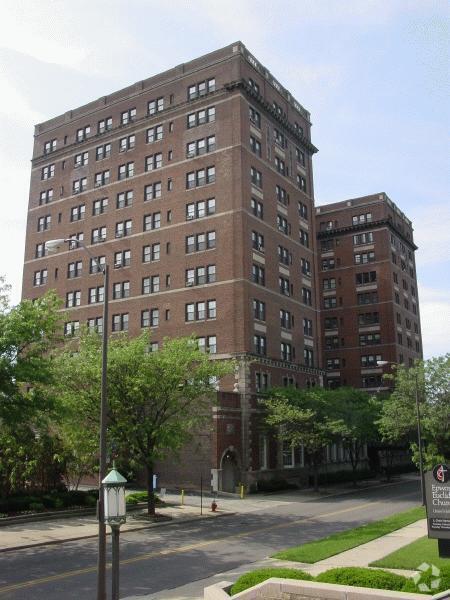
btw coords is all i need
(160, 559)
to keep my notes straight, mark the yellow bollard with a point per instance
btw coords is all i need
(182, 497)
(242, 492)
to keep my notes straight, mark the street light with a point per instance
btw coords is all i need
(53, 246)
(115, 515)
(383, 363)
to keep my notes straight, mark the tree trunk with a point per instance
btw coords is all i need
(151, 496)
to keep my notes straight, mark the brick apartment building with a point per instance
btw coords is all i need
(368, 287)
(196, 187)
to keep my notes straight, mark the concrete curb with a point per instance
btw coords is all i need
(94, 535)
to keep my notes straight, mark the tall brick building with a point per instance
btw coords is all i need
(368, 287)
(196, 187)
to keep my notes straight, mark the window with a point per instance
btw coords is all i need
(81, 159)
(152, 221)
(50, 146)
(367, 298)
(286, 320)
(201, 88)
(104, 125)
(103, 151)
(96, 263)
(120, 322)
(255, 117)
(284, 286)
(282, 195)
(45, 197)
(328, 264)
(364, 258)
(98, 235)
(154, 134)
(150, 317)
(284, 256)
(305, 266)
(200, 275)
(259, 310)
(280, 138)
(307, 327)
(151, 253)
(363, 238)
(200, 209)
(258, 274)
(331, 323)
(83, 133)
(95, 325)
(205, 115)
(369, 339)
(280, 166)
(300, 157)
(330, 302)
(370, 360)
(48, 172)
(122, 258)
(365, 277)
(365, 218)
(102, 178)
(302, 211)
(79, 185)
(304, 238)
(326, 245)
(261, 381)
(286, 351)
(40, 251)
(44, 223)
(127, 116)
(123, 228)
(127, 143)
(288, 454)
(125, 171)
(253, 85)
(124, 199)
(298, 129)
(99, 206)
(308, 357)
(329, 284)
(77, 213)
(150, 285)
(121, 289)
(154, 161)
(96, 294)
(200, 177)
(208, 344)
(255, 146)
(372, 381)
(257, 208)
(71, 328)
(201, 146)
(333, 364)
(301, 182)
(74, 269)
(257, 241)
(256, 177)
(283, 225)
(200, 241)
(155, 106)
(259, 344)
(75, 239)
(199, 311)
(372, 318)
(306, 296)
(40, 277)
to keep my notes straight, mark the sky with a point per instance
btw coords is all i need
(373, 74)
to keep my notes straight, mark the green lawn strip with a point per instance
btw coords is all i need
(413, 555)
(312, 552)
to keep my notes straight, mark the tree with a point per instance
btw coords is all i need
(156, 399)
(430, 379)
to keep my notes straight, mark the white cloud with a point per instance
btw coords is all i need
(435, 321)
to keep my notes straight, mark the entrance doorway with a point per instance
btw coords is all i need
(230, 472)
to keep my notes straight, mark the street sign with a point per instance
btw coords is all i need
(437, 492)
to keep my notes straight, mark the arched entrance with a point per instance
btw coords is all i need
(230, 471)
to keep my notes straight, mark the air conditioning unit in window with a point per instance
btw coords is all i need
(117, 265)
(190, 217)
(189, 283)
(190, 154)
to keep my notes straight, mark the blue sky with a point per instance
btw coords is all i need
(373, 74)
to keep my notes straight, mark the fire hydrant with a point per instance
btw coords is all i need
(213, 506)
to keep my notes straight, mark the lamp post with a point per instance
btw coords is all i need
(114, 515)
(53, 246)
(383, 363)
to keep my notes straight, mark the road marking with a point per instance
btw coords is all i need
(181, 549)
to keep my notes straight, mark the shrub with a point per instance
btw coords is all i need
(275, 485)
(254, 577)
(36, 506)
(359, 576)
(137, 497)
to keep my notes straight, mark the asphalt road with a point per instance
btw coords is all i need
(159, 559)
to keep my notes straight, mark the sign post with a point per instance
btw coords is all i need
(437, 485)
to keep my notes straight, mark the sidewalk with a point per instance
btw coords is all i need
(360, 556)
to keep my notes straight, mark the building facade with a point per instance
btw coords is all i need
(196, 187)
(368, 287)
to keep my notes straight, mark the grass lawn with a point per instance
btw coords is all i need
(312, 552)
(411, 556)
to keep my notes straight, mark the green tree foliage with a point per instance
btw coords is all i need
(398, 422)
(27, 333)
(318, 417)
(156, 399)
